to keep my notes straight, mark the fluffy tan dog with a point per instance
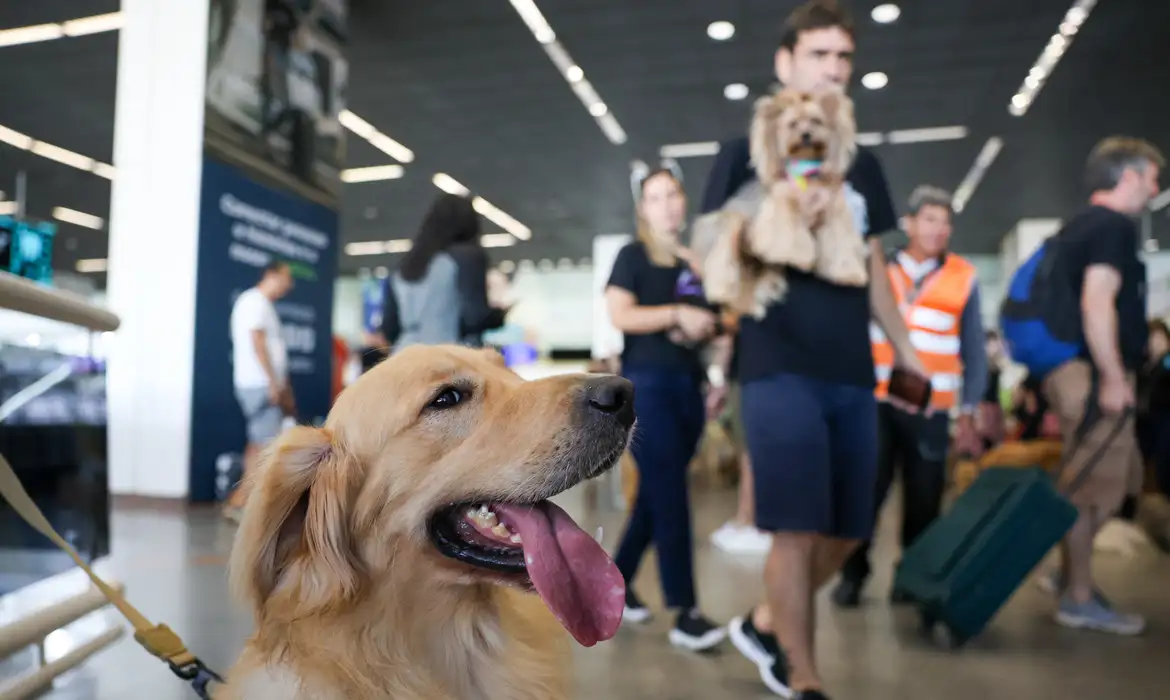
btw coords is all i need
(802, 145)
(392, 553)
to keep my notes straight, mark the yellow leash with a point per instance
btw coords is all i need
(160, 640)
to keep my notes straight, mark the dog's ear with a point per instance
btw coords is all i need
(838, 109)
(296, 537)
(765, 137)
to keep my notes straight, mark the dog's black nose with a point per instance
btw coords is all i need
(806, 138)
(612, 396)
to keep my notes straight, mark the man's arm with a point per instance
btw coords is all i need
(886, 312)
(1099, 314)
(260, 347)
(973, 351)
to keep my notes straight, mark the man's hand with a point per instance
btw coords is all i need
(716, 400)
(1115, 395)
(276, 392)
(967, 440)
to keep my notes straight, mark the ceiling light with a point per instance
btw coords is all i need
(870, 138)
(970, 183)
(372, 173)
(721, 30)
(8, 208)
(377, 139)
(697, 149)
(574, 75)
(735, 91)
(875, 81)
(91, 265)
(48, 32)
(80, 218)
(449, 184)
(497, 240)
(48, 150)
(400, 245)
(935, 133)
(15, 138)
(104, 170)
(498, 217)
(1053, 51)
(886, 13)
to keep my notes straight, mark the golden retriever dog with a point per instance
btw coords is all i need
(393, 552)
(802, 145)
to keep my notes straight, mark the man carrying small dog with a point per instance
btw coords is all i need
(938, 292)
(807, 378)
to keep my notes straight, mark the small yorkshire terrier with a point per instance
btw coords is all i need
(802, 145)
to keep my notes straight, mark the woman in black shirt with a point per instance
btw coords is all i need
(655, 298)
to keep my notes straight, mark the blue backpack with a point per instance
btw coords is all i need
(1041, 314)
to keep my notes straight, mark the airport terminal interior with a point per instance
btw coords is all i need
(222, 220)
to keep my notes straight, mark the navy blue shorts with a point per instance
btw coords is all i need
(813, 446)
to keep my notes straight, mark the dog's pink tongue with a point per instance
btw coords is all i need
(572, 573)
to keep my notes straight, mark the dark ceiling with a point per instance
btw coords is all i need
(466, 86)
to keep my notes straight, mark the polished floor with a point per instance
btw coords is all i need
(173, 567)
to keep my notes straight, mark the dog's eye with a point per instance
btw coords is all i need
(448, 398)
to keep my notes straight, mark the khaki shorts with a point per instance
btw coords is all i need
(1117, 471)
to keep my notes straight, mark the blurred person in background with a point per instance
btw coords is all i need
(939, 294)
(1153, 405)
(807, 376)
(260, 369)
(1093, 395)
(990, 418)
(439, 293)
(654, 298)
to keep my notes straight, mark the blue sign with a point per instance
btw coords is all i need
(374, 291)
(26, 248)
(243, 226)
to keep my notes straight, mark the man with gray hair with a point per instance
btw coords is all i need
(938, 293)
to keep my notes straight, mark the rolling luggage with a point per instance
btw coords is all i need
(966, 565)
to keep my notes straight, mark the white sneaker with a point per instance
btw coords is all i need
(741, 539)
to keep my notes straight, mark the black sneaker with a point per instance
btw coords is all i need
(811, 695)
(635, 611)
(847, 594)
(694, 632)
(762, 649)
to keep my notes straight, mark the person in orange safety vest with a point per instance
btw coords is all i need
(938, 292)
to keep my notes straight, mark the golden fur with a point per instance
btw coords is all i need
(351, 600)
(808, 228)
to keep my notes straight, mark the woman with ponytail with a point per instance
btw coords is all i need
(655, 298)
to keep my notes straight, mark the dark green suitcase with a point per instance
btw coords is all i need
(967, 564)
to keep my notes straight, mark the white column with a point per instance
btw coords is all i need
(154, 231)
(607, 340)
(1023, 240)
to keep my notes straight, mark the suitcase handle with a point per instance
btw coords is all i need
(1091, 417)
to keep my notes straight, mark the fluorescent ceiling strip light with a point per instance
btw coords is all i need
(376, 138)
(569, 69)
(1058, 44)
(15, 138)
(92, 265)
(497, 240)
(36, 33)
(698, 149)
(372, 173)
(501, 219)
(48, 150)
(937, 133)
(80, 218)
(450, 185)
(7, 208)
(870, 138)
(970, 183)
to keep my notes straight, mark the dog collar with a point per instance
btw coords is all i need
(800, 170)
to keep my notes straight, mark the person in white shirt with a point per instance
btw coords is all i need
(260, 366)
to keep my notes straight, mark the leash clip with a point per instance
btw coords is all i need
(198, 675)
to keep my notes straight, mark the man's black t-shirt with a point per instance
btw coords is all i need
(656, 286)
(820, 330)
(1101, 236)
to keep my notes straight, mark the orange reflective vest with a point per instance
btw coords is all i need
(933, 316)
